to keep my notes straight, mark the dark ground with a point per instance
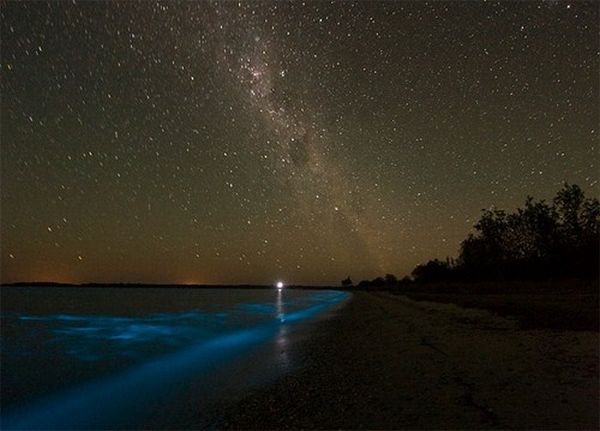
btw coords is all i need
(388, 362)
(576, 311)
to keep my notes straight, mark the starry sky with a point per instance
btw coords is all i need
(226, 142)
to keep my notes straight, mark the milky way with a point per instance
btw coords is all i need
(300, 146)
(225, 142)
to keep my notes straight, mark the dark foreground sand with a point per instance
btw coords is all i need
(388, 362)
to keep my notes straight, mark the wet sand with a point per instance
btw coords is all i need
(389, 362)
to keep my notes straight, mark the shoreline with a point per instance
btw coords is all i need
(388, 362)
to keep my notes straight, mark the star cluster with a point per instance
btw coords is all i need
(225, 142)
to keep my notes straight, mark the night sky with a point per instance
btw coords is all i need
(197, 142)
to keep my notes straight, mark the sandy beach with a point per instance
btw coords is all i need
(389, 362)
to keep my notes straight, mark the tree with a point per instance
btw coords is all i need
(347, 282)
(569, 202)
(364, 284)
(536, 226)
(391, 279)
(579, 226)
(537, 241)
(433, 271)
(378, 282)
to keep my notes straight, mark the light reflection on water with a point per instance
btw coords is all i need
(168, 348)
(281, 339)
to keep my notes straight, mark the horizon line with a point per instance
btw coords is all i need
(127, 283)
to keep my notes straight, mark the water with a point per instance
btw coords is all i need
(103, 358)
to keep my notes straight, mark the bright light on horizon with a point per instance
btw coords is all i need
(279, 285)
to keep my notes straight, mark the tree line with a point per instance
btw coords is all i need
(541, 240)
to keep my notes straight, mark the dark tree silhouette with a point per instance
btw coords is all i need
(540, 240)
(432, 271)
(378, 282)
(578, 231)
(364, 284)
(390, 279)
(347, 282)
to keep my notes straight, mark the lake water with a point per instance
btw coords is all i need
(106, 358)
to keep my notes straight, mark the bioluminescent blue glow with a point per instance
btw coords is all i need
(92, 338)
(191, 343)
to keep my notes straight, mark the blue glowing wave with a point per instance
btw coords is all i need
(120, 400)
(94, 338)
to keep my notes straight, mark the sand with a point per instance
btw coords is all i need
(389, 362)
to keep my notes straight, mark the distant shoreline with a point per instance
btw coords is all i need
(551, 304)
(499, 287)
(162, 286)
